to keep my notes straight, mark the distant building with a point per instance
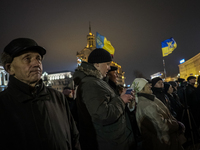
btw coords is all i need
(158, 74)
(58, 80)
(121, 78)
(190, 67)
(91, 45)
(4, 78)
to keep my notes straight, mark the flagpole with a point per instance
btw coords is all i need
(164, 68)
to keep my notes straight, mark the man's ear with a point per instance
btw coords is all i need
(96, 65)
(9, 69)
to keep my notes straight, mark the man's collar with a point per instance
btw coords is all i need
(23, 91)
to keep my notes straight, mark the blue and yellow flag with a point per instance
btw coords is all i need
(168, 46)
(102, 42)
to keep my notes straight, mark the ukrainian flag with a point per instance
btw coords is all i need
(102, 42)
(168, 46)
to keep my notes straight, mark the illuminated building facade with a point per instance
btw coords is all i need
(58, 80)
(91, 45)
(4, 78)
(158, 74)
(55, 80)
(190, 67)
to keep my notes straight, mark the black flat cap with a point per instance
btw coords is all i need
(19, 45)
(191, 77)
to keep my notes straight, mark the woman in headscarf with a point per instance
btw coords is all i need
(159, 129)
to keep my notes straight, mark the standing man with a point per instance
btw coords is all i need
(32, 116)
(111, 79)
(101, 113)
(190, 88)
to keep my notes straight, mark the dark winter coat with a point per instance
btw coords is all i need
(130, 114)
(176, 106)
(102, 121)
(189, 93)
(35, 119)
(194, 105)
(160, 94)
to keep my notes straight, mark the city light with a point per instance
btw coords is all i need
(182, 61)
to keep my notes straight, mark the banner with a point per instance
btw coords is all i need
(102, 42)
(168, 46)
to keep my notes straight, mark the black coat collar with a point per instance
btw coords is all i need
(23, 92)
(148, 96)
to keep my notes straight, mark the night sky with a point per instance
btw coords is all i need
(135, 28)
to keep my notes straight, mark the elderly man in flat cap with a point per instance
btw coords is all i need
(32, 116)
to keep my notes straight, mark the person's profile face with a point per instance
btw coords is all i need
(113, 76)
(192, 81)
(103, 68)
(159, 84)
(170, 90)
(147, 89)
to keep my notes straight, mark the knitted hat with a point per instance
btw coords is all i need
(173, 83)
(155, 80)
(99, 55)
(181, 80)
(191, 77)
(138, 84)
(19, 45)
(166, 86)
(112, 68)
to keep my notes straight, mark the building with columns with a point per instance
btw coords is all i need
(91, 45)
(190, 67)
(4, 78)
(58, 80)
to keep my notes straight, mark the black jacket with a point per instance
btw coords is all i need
(160, 94)
(38, 120)
(176, 106)
(189, 93)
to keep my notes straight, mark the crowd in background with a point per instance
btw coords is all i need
(181, 97)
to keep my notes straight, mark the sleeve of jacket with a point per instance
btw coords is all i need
(103, 108)
(163, 125)
(73, 129)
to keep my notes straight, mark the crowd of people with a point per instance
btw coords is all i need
(96, 114)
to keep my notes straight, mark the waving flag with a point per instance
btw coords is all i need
(102, 42)
(168, 46)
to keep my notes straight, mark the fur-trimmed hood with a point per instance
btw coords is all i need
(86, 69)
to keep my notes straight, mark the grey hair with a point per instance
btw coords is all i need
(5, 58)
